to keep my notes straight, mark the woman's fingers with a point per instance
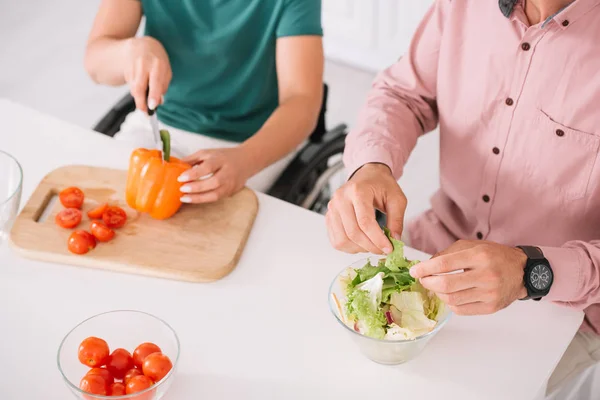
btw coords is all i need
(202, 186)
(139, 84)
(158, 84)
(204, 170)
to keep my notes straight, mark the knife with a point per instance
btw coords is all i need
(154, 124)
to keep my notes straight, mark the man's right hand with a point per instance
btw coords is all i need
(351, 219)
(147, 64)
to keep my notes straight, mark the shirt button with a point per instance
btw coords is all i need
(525, 46)
(509, 101)
(565, 22)
(486, 198)
(479, 235)
(560, 132)
(496, 150)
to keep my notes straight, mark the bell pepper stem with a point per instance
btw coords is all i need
(165, 137)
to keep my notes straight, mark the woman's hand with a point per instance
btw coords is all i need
(147, 63)
(216, 174)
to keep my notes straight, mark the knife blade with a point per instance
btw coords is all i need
(155, 129)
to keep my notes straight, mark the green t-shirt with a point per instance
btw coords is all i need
(222, 54)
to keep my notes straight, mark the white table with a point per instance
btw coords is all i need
(263, 332)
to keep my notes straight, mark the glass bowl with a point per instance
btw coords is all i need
(120, 329)
(387, 352)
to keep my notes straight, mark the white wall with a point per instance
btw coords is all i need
(370, 34)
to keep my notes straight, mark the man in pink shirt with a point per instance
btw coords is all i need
(515, 88)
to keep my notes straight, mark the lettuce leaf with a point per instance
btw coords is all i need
(363, 306)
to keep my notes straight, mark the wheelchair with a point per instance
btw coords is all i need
(307, 180)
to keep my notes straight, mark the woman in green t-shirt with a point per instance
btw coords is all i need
(237, 83)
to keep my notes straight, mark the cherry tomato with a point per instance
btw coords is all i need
(114, 217)
(93, 352)
(116, 389)
(71, 197)
(143, 351)
(156, 366)
(130, 374)
(93, 384)
(101, 232)
(97, 212)
(104, 373)
(80, 242)
(68, 218)
(119, 362)
(138, 384)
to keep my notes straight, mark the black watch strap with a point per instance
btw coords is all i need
(532, 252)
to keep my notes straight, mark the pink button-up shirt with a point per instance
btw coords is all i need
(518, 108)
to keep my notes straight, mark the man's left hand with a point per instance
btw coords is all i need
(492, 277)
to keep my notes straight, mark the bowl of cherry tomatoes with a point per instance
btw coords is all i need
(121, 354)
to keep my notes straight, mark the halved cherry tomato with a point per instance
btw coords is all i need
(80, 242)
(93, 352)
(130, 374)
(157, 366)
(119, 362)
(104, 373)
(101, 231)
(71, 197)
(97, 212)
(138, 384)
(94, 384)
(143, 351)
(116, 389)
(68, 218)
(114, 217)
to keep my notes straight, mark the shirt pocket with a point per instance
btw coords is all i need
(561, 159)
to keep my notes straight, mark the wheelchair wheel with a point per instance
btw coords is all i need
(310, 185)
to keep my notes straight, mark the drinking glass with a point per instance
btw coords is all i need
(11, 183)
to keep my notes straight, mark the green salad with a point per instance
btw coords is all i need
(384, 301)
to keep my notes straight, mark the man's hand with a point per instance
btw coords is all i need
(492, 277)
(351, 219)
(216, 174)
(147, 67)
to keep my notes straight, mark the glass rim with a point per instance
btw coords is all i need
(436, 329)
(20, 185)
(126, 396)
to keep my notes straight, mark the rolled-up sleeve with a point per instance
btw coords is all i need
(401, 105)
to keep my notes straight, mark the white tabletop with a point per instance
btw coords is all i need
(263, 332)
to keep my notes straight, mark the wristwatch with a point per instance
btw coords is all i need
(538, 276)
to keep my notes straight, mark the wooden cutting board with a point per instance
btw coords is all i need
(201, 243)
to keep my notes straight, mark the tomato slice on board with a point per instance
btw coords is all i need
(142, 351)
(97, 212)
(80, 242)
(71, 197)
(68, 218)
(101, 232)
(93, 352)
(114, 217)
(157, 366)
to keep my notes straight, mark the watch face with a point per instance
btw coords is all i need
(540, 277)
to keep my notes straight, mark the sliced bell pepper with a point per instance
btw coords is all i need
(152, 185)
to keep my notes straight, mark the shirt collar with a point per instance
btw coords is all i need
(563, 18)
